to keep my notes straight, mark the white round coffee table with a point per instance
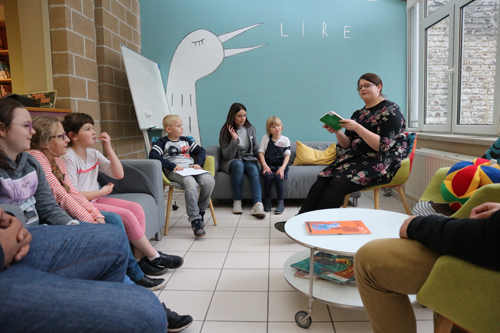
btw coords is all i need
(381, 223)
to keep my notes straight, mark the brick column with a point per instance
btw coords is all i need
(89, 75)
(117, 22)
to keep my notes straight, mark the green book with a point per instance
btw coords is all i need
(332, 119)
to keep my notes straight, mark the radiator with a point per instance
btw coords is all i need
(426, 162)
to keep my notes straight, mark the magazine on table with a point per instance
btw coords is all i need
(329, 266)
(336, 227)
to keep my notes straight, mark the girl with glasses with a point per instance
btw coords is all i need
(22, 179)
(376, 144)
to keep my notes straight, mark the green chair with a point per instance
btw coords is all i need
(487, 193)
(464, 295)
(399, 178)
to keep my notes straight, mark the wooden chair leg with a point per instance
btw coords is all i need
(376, 197)
(213, 212)
(443, 325)
(169, 208)
(403, 199)
(346, 200)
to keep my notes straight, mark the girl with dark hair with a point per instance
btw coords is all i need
(22, 179)
(376, 144)
(240, 152)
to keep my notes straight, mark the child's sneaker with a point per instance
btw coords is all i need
(149, 268)
(258, 210)
(237, 207)
(198, 230)
(168, 261)
(150, 283)
(176, 322)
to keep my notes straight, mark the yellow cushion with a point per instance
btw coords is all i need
(309, 156)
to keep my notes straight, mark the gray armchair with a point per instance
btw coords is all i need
(142, 183)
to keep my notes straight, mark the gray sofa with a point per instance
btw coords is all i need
(143, 183)
(300, 178)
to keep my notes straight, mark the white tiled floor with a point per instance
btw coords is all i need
(232, 280)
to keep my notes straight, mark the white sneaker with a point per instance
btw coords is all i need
(258, 210)
(237, 207)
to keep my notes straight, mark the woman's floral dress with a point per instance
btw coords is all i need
(361, 164)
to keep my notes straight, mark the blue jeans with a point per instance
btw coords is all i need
(134, 272)
(237, 168)
(67, 283)
(269, 179)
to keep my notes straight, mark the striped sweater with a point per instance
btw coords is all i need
(74, 203)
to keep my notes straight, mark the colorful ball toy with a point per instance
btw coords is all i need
(464, 178)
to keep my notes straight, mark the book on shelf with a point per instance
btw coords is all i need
(5, 90)
(336, 227)
(4, 70)
(305, 275)
(47, 98)
(329, 266)
(332, 119)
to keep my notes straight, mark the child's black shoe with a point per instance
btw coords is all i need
(176, 322)
(198, 230)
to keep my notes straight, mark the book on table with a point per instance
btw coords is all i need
(329, 266)
(336, 227)
(332, 119)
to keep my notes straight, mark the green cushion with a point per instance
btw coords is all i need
(433, 190)
(466, 294)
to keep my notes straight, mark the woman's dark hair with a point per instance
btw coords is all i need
(7, 108)
(373, 78)
(233, 110)
(73, 122)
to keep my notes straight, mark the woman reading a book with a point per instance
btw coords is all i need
(376, 144)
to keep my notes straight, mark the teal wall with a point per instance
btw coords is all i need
(297, 78)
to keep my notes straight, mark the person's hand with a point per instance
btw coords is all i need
(349, 124)
(266, 169)
(108, 188)
(100, 220)
(14, 238)
(281, 172)
(178, 168)
(484, 211)
(233, 133)
(23, 237)
(106, 139)
(330, 129)
(404, 227)
(196, 167)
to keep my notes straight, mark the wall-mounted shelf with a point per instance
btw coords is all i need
(32, 108)
(51, 112)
